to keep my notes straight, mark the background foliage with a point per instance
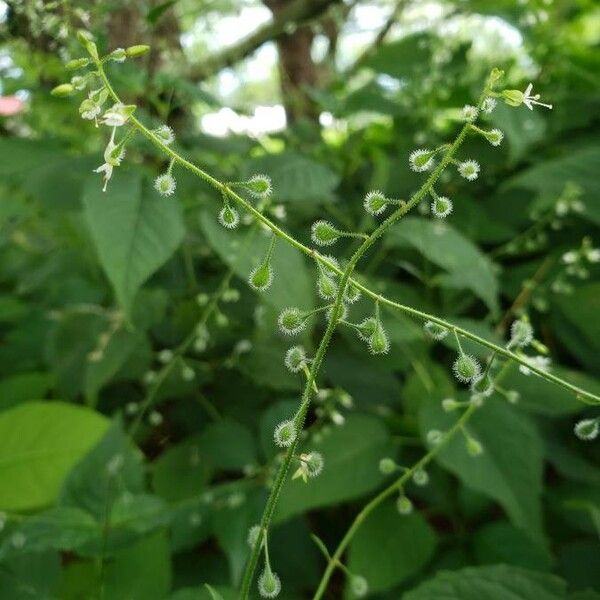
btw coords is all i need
(102, 499)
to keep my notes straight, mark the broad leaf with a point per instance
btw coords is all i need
(134, 232)
(41, 441)
(352, 455)
(379, 553)
(467, 267)
(492, 583)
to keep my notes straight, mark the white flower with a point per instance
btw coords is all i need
(117, 115)
(89, 109)
(107, 170)
(529, 100)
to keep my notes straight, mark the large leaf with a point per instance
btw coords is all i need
(510, 467)
(466, 266)
(41, 441)
(404, 57)
(379, 553)
(134, 232)
(296, 178)
(499, 582)
(242, 251)
(352, 453)
(579, 166)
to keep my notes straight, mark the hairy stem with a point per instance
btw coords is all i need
(582, 395)
(334, 561)
(322, 349)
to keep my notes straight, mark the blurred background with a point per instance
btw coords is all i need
(140, 376)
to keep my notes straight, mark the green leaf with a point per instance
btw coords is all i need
(467, 267)
(500, 542)
(579, 327)
(30, 576)
(378, 551)
(134, 232)
(510, 467)
(352, 455)
(60, 528)
(403, 58)
(292, 284)
(522, 128)
(24, 386)
(296, 178)
(41, 441)
(92, 480)
(579, 165)
(492, 583)
(122, 345)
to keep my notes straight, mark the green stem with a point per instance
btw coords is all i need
(582, 395)
(335, 559)
(322, 349)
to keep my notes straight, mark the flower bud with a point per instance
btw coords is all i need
(324, 233)
(285, 433)
(118, 55)
(63, 90)
(269, 584)
(587, 429)
(466, 368)
(77, 63)
(86, 40)
(136, 51)
(513, 97)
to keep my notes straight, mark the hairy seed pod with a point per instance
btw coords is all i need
(323, 233)
(466, 368)
(269, 584)
(291, 321)
(229, 217)
(285, 433)
(261, 277)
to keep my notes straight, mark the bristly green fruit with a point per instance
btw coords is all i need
(323, 233)
(261, 278)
